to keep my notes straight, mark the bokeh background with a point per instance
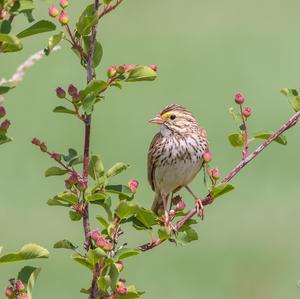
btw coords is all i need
(206, 51)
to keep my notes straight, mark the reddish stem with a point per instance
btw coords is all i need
(109, 8)
(208, 199)
(246, 140)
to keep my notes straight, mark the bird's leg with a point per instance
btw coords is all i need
(171, 201)
(166, 216)
(199, 205)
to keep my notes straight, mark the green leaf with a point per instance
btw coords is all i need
(52, 171)
(132, 293)
(94, 255)
(4, 139)
(24, 5)
(221, 189)
(68, 197)
(147, 217)
(102, 221)
(6, 87)
(281, 139)
(62, 109)
(88, 18)
(121, 190)
(295, 103)
(94, 88)
(66, 244)
(56, 202)
(126, 252)
(76, 161)
(5, 27)
(10, 43)
(106, 1)
(74, 216)
(125, 209)
(72, 154)
(289, 92)
(38, 27)
(114, 274)
(96, 168)
(97, 197)
(236, 140)
(163, 233)
(88, 103)
(187, 236)
(104, 282)
(82, 260)
(141, 73)
(98, 51)
(28, 276)
(28, 251)
(116, 169)
(53, 41)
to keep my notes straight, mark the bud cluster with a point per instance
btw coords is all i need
(124, 69)
(240, 99)
(133, 185)
(62, 16)
(72, 91)
(40, 144)
(16, 290)
(100, 240)
(76, 180)
(214, 173)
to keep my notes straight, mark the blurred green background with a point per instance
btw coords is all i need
(206, 51)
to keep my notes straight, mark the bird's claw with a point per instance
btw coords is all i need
(200, 208)
(168, 223)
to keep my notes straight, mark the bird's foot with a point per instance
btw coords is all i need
(200, 208)
(168, 223)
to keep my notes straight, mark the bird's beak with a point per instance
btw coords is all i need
(156, 120)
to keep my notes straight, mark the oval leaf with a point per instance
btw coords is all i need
(141, 73)
(66, 244)
(38, 27)
(52, 171)
(88, 18)
(96, 168)
(221, 189)
(28, 276)
(28, 251)
(281, 139)
(117, 168)
(62, 109)
(236, 140)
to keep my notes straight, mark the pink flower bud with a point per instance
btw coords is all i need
(121, 288)
(215, 173)
(9, 292)
(63, 18)
(239, 98)
(3, 14)
(5, 125)
(81, 184)
(23, 296)
(2, 111)
(43, 147)
(154, 67)
(56, 156)
(72, 90)
(60, 92)
(95, 234)
(36, 141)
(119, 265)
(176, 199)
(111, 71)
(181, 205)
(122, 68)
(75, 97)
(103, 243)
(53, 11)
(207, 157)
(130, 67)
(133, 185)
(20, 286)
(247, 112)
(64, 3)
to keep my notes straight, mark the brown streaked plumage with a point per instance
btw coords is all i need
(175, 153)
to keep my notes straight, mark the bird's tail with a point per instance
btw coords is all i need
(157, 202)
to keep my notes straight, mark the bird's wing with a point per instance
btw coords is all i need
(151, 159)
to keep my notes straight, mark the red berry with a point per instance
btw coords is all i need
(239, 98)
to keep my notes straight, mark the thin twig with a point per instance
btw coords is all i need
(108, 8)
(246, 148)
(208, 199)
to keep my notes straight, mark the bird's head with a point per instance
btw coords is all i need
(175, 119)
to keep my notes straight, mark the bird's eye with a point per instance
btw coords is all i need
(173, 116)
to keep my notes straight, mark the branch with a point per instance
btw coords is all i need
(208, 199)
(108, 8)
